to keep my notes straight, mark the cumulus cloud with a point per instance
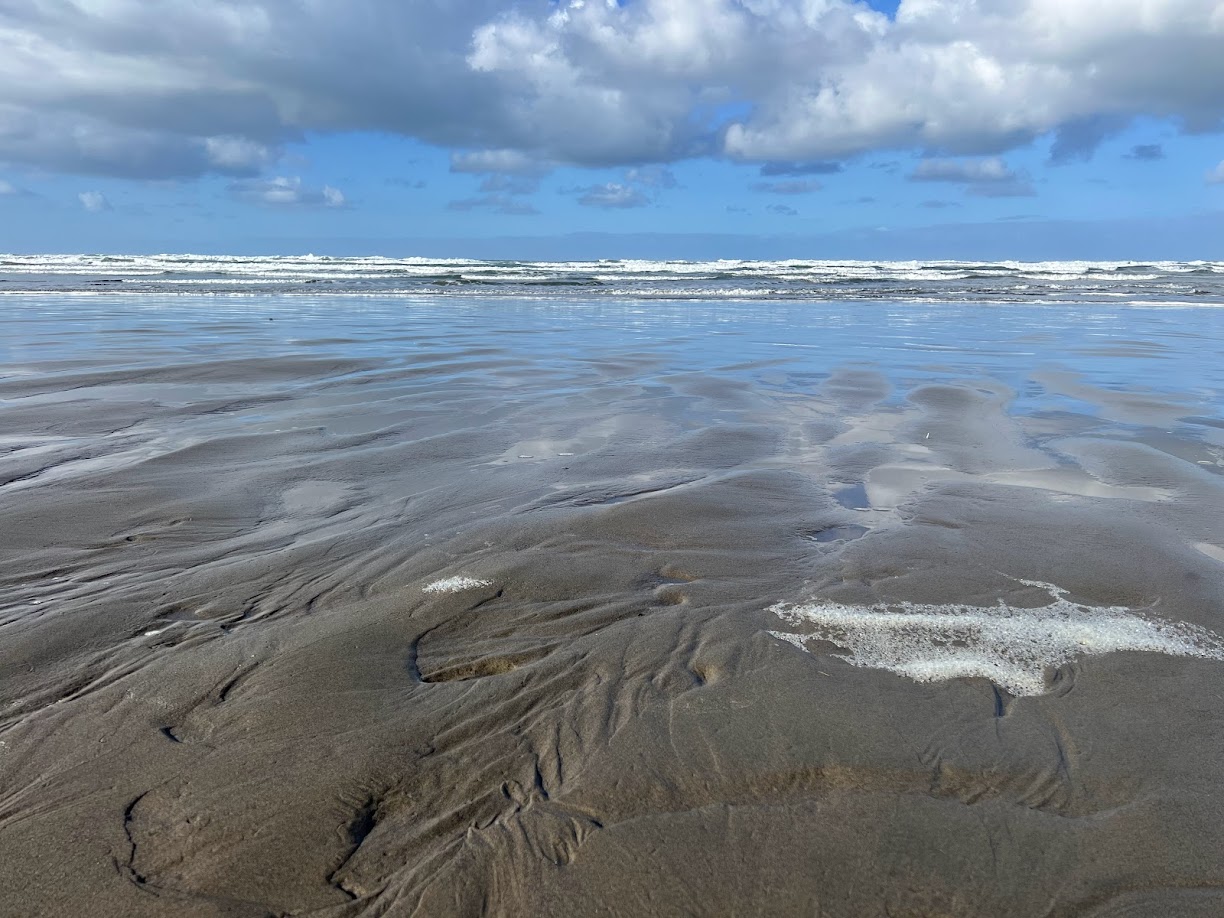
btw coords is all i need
(286, 192)
(794, 186)
(94, 201)
(639, 188)
(989, 177)
(178, 89)
(507, 176)
(1216, 176)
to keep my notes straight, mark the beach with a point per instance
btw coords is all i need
(706, 594)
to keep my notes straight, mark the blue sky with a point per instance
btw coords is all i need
(686, 128)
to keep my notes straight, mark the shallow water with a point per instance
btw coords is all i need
(428, 604)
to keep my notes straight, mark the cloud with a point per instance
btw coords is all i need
(795, 186)
(94, 201)
(639, 188)
(988, 177)
(960, 170)
(612, 195)
(175, 90)
(934, 204)
(819, 168)
(501, 183)
(284, 192)
(654, 176)
(86, 143)
(237, 155)
(831, 79)
(498, 203)
(507, 173)
(504, 162)
(1216, 176)
(8, 189)
(783, 210)
(1146, 152)
(1078, 139)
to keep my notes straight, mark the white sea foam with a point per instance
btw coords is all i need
(455, 585)
(902, 281)
(1012, 647)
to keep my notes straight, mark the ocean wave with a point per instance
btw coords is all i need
(954, 281)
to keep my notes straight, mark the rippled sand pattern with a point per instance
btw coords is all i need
(423, 607)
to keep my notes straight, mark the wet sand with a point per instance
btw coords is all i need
(390, 608)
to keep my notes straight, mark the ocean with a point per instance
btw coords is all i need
(1191, 283)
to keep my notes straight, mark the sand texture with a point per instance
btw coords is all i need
(516, 611)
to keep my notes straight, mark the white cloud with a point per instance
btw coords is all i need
(612, 195)
(988, 177)
(507, 174)
(237, 154)
(179, 88)
(1216, 176)
(790, 186)
(504, 162)
(286, 192)
(831, 79)
(8, 189)
(94, 201)
(962, 170)
(639, 188)
(654, 176)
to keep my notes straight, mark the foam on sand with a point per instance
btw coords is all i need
(455, 585)
(1012, 647)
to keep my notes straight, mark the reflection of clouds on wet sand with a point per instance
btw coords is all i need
(423, 605)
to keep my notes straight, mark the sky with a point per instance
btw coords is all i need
(596, 128)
